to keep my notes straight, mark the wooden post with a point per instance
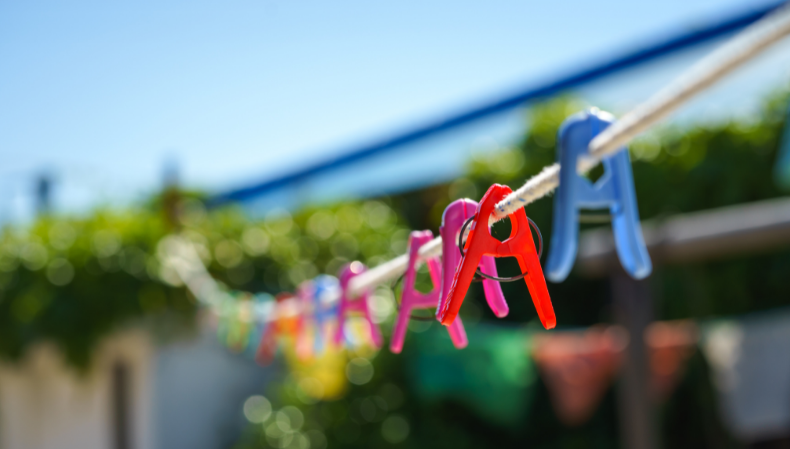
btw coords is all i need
(121, 406)
(633, 308)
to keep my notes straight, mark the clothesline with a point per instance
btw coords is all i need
(742, 48)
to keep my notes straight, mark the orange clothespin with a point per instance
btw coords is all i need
(519, 245)
(286, 323)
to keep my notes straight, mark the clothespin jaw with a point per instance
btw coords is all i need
(481, 243)
(453, 219)
(349, 304)
(614, 191)
(412, 299)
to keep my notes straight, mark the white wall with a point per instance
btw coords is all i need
(46, 404)
(200, 390)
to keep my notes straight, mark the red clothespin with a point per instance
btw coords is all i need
(519, 245)
(453, 219)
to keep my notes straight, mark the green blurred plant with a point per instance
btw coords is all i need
(72, 281)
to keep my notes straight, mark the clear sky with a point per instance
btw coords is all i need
(102, 94)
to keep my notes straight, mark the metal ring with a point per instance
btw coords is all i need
(397, 304)
(478, 274)
(493, 278)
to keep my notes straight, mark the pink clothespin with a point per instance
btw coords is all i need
(347, 304)
(304, 344)
(452, 221)
(412, 299)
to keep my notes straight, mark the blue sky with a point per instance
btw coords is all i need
(102, 95)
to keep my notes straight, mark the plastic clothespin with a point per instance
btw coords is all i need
(412, 299)
(326, 291)
(614, 190)
(453, 219)
(481, 243)
(241, 323)
(347, 305)
(306, 327)
(286, 322)
(262, 309)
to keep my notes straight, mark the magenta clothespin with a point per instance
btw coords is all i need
(348, 304)
(412, 299)
(452, 221)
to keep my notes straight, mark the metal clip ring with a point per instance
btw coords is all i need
(493, 278)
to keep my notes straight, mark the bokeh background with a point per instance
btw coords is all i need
(122, 126)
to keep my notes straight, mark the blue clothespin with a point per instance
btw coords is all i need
(326, 294)
(614, 190)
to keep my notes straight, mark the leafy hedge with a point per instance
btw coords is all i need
(73, 280)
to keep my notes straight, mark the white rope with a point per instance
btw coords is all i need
(748, 44)
(743, 47)
(180, 254)
(392, 269)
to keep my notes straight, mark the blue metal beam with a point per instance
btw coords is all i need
(632, 59)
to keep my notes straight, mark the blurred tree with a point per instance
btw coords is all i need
(74, 280)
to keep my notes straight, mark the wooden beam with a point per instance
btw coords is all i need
(717, 233)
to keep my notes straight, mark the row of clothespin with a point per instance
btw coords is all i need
(317, 314)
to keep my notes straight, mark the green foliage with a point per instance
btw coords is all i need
(370, 415)
(281, 251)
(74, 280)
(676, 170)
